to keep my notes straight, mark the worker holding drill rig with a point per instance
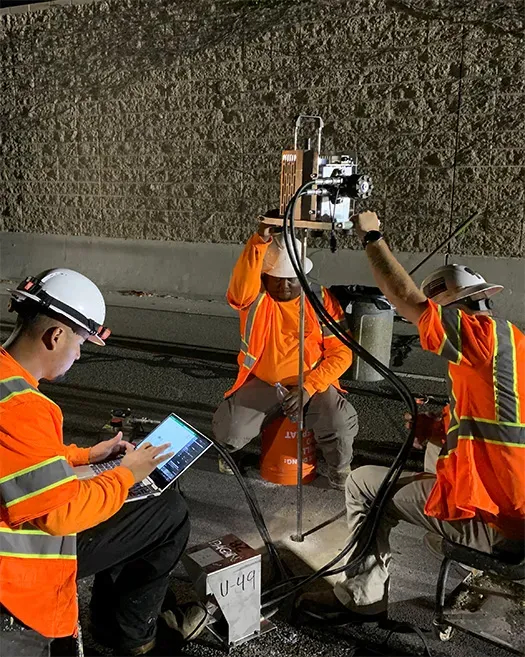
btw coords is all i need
(473, 493)
(265, 291)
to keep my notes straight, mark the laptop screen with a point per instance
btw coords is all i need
(187, 443)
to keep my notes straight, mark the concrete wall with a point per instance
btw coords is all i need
(164, 119)
(202, 271)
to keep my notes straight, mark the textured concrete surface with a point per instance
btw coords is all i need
(164, 120)
(154, 384)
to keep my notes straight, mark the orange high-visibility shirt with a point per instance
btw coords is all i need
(279, 361)
(481, 469)
(270, 330)
(43, 505)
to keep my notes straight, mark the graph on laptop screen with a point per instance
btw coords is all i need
(184, 441)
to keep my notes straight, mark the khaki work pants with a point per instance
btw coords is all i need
(366, 590)
(240, 418)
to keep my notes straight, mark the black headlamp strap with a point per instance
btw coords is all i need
(34, 287)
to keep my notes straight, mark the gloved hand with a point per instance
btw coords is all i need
(265, 231)
(430, 427)
(291, 402)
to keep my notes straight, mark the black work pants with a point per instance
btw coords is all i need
(131, 556)
(18, 640)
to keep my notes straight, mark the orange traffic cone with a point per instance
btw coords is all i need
(279, 453)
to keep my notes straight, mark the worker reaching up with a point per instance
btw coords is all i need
(473, 489)
(43, 505)
(265, 291)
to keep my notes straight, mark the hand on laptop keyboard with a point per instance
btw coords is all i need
(99, 468)
(144, 460)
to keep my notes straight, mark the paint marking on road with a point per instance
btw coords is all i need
(423, 377)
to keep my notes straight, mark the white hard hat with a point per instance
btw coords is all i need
(70, 294)
(452, 283)
(277, 262)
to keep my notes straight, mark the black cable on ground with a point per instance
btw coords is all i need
(402, 627)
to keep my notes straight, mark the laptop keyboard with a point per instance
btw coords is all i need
(140, 489)
(99, 468)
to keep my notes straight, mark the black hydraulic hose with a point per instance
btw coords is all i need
(373, 515)
(255, 511)
(253, 505)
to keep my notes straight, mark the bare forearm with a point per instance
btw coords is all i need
(394, 282)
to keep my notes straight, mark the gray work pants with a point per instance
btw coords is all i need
(240, 418)
(366, 590)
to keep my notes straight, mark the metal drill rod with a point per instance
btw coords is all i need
(298, 536)
(463, 226)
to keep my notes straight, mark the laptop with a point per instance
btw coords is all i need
(185, 441)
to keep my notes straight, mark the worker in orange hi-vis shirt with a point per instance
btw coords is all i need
(131, 550)
(265, 291)
(472, 491)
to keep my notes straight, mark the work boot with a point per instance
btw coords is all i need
(336, 476)
(187, 620)
(325, 606)
(434, 544)
(107, 638)
(143, 650)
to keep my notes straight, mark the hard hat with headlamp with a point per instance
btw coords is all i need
(457, 284)
(67, 293)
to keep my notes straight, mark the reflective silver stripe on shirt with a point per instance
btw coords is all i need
(29, 542)
(249, 360)
(249, 320)
(452, 433)
(17, 385)
(37, 479)
(505, 384)
(495, 432)
(451, 322)
(13, 386)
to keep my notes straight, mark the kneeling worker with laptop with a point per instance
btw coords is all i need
(44, 504)
(185, 445)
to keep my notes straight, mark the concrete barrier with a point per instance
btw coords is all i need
(202, 270)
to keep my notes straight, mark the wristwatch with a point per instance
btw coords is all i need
(372, 236)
